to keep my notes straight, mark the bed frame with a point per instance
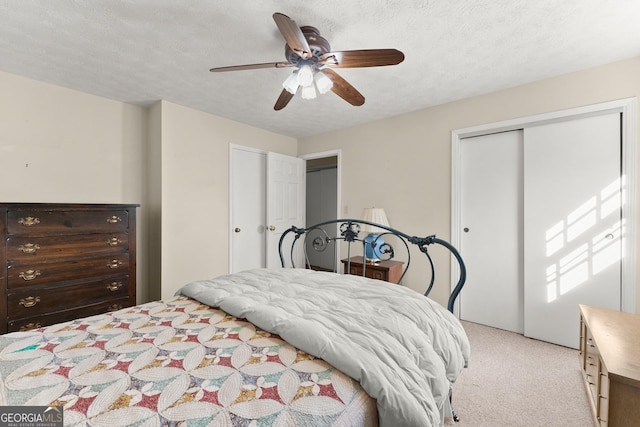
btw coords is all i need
(319, 238)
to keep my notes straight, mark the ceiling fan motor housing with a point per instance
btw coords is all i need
(318, 45)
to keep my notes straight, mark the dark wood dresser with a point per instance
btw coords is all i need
(65, 261)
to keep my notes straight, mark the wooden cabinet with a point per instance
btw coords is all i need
(64, 261)
(610, 362)
(389, 271)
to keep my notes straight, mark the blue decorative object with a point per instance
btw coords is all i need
(372, 246)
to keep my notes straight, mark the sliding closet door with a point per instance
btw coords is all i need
(572, 216)
(491, 238)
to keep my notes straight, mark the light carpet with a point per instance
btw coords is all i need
(516, 381)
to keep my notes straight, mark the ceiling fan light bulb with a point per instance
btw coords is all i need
(309, 92)
(291, 83)
(305, 76)
(323, 82)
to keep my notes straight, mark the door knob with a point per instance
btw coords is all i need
(237, 229)
(466, 229)
(272, 228)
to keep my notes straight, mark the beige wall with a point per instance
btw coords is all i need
(60, 145)
(410, 155)
(195, 190)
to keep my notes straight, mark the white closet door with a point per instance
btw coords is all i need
(572, 242)
(248, 205)
(491, 218)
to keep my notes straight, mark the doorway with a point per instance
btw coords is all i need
(323, 204)
(266, 197)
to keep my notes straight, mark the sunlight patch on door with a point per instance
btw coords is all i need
(574, 269)
(586, 242)
(582, 219)
(555, 238)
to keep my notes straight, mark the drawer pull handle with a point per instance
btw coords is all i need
(114, 307)
(30, 326)
(113, 241)
(29, 301)
(29, 274)
(29, 248)
(114, 264)
(29, 221)
(114, 219)
(114, 286)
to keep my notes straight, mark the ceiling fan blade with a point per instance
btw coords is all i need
(343, 89)
(252, 66)
(283, 100)
(362, 58)
(292, 35)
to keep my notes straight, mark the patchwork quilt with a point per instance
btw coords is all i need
(171, 363)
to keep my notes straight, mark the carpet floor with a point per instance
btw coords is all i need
(516, 381)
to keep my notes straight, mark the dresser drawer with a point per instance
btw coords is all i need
(371, 273)
(45, 299)
(31, 249)
(61, 261)
(67, 315)
(603, 398)
(43, 222)
(20, 275)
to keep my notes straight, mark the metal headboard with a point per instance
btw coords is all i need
(350, 230)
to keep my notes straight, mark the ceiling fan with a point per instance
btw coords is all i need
(311, 55)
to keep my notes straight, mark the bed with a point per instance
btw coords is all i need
(284, 347)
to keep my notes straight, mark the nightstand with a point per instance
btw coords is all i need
(389, 271)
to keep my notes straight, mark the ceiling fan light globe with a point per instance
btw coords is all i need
(305, 76)
(291, 83)
(323, 83)
(309, 92)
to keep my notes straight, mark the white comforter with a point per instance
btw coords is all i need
(403, 348)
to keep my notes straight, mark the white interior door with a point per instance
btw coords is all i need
(572, 208)
(285, 204)
(491, 235)
(248, 207)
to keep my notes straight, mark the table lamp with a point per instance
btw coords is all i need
(373, 242)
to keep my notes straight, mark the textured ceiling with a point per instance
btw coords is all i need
(141, 51)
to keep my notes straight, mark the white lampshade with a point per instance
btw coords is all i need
(309, 92)
(305, 76)
(323, 82)
(376, 215)
(291, 84)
